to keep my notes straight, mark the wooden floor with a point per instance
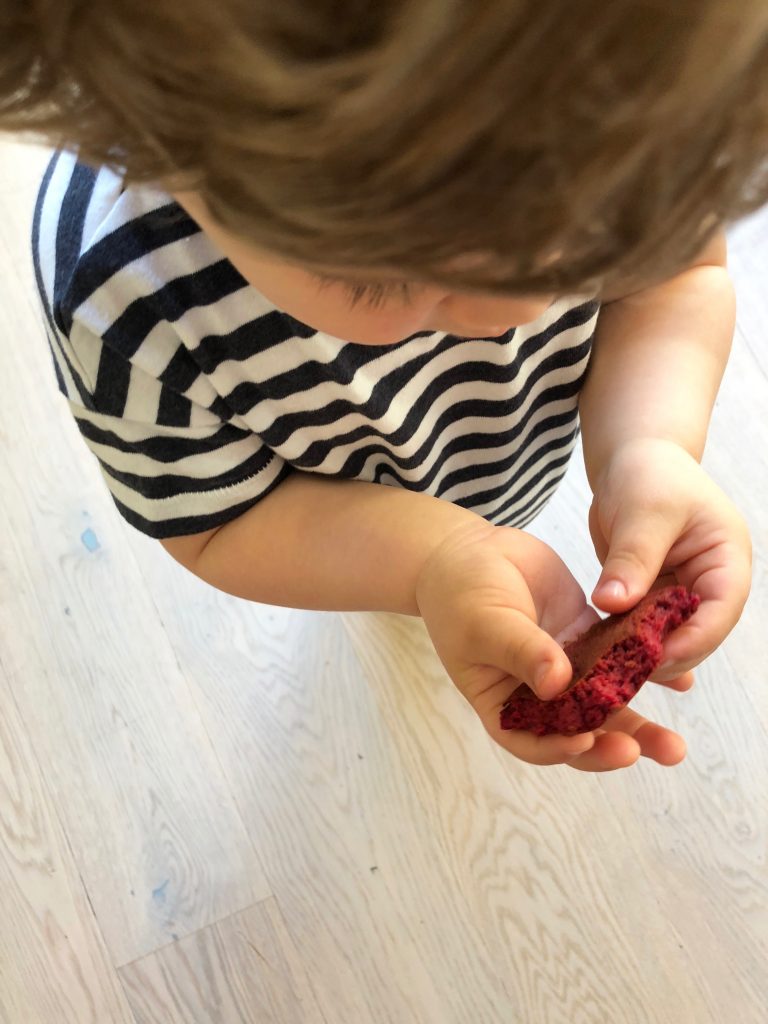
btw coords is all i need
(213, 812)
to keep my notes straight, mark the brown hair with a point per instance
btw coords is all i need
(564, 141)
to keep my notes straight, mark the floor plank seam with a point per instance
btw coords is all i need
(210, 924)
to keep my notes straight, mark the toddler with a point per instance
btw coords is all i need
(331, 286)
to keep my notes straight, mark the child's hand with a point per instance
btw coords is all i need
(655, 512)
(493, 599)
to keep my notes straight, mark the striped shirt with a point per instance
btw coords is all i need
(198, 396)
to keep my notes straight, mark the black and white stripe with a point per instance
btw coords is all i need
(198, 397)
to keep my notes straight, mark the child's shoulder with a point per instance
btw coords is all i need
(100, 243)
(88, 214)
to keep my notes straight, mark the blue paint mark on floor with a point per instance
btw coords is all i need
(90, 540)
(158, 894)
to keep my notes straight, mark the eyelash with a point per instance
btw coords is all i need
(372, 295)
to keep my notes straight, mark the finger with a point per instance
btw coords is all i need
(655, 742)
(660, 745)
(681, 682)
(511, 641)
(640, 542)
(611, 751)
(541, 750)
(596, 532)
(723, 590)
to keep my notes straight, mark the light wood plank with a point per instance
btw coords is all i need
(566, 873)
(417, 795)
(243, 969)
(299, 736)
(54, 968)
(154, 829)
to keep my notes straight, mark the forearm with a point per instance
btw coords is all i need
(657, 364)
(332, 545)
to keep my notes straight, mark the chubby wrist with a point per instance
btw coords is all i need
(636, 452)
(599, 458)
(456, 555)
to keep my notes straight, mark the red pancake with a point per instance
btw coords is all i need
(611, 661)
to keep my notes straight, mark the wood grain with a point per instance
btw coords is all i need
(54, 968)
(293, 817)
(561, 869)
(339, 827)
(155, 833)
(243, 969)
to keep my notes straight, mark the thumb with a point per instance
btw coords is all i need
(518, 648)
(638, 544)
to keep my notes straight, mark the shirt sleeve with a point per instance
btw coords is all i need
(172, 459)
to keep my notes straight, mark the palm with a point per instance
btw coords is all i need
(564, 613)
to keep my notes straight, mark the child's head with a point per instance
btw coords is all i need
(367, 307)
(524, 146)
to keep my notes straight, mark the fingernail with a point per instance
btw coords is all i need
(612, 589)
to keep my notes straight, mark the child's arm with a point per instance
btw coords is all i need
(327, 544)
(658, 361)
(645, 409)
(491, 597)
(321, 543)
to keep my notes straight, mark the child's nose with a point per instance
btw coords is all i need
(481, 315)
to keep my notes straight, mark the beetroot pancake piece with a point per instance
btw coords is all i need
(611, 661)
